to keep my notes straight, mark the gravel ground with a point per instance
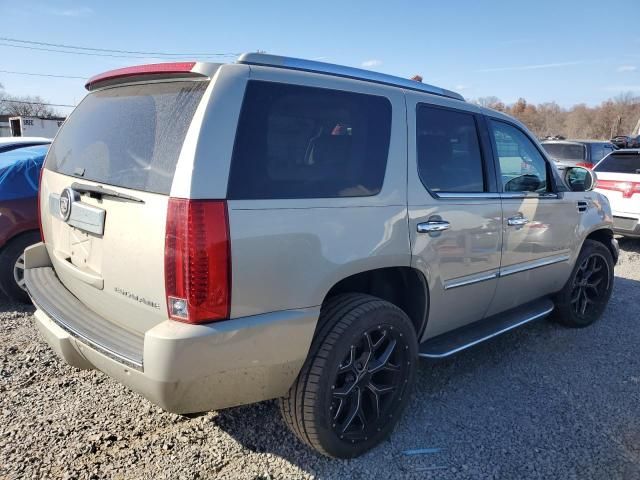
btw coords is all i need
(542, 402)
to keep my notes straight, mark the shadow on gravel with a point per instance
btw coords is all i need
(631, 245)
(8, 306)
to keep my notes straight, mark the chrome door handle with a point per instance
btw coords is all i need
(433, 226)
(517, 221)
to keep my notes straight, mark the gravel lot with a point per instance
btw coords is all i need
(541, 402)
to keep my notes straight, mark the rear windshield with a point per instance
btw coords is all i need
(127, 136)
(565, 151)
(619, 164)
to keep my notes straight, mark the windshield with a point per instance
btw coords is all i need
(565, 151)
(128, 136)
(616, 163)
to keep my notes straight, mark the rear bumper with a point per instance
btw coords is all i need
(627, 225)
(182, 368)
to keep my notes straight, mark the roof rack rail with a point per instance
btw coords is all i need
(342, 71)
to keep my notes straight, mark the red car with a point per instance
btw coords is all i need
(19, 172)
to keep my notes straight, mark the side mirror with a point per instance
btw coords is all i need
(579, 179)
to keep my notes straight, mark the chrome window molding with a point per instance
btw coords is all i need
(468, 196)
(491, 195)
(508, 195)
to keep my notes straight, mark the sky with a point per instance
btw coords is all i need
(567, 51)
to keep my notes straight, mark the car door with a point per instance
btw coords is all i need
(540, 226)
(454, 211)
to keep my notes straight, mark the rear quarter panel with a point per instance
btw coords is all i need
(288, 253)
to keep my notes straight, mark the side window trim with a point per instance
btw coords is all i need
(488, 169)
(553, 193)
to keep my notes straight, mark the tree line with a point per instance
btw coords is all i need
(616, 116)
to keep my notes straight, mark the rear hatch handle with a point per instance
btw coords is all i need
(103, 192)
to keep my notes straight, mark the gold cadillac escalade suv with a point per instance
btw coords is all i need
(215, 235)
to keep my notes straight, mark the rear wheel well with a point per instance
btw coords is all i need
(604, 236)
(405, 287)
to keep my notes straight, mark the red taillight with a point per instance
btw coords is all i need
(39, 212)
(197, 260)
(628, 189)
(585, 165)
(151, 69)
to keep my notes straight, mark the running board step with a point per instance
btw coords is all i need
(464, 337)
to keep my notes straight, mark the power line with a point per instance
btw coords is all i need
(73, 53)
(43, 74)
(38, 103)
(75, 47)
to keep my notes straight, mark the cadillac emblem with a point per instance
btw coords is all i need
(67, 197)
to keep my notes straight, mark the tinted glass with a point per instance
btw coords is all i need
(597, 152)
(522, 167)
(616, 163)
(127, 136)
(565, 151)
(449, 158)
(303, 142)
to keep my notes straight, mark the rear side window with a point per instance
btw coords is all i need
(616, 163)
(565, 151)
(127, 136)
(449, 158)
(303, 142)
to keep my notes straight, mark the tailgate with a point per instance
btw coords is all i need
(118, 274)
(104, 195)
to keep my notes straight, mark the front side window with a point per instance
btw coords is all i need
(448, 151)
(303, 142)
(522, 167)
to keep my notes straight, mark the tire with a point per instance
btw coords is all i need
(346, 399)
(586, 294)
(11, 276)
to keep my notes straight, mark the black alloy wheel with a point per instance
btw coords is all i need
(586, 294)
(369, 381)
(357, 378)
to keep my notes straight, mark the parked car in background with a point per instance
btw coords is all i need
(625, 141)
(19, 173)
(581, 153)
(216, 235)
(9, 143)
(619, 179)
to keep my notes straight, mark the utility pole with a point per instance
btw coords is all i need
(615, 128)
(636, 130)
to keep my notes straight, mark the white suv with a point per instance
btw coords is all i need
(216, 235)
(619, 179)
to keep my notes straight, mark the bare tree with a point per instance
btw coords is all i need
(28, 106)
